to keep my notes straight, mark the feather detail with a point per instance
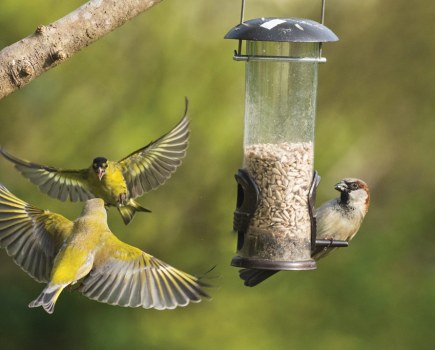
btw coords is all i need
(47, 299)
(151, 166)
(57, 183)
(124, 275)
(31, 236)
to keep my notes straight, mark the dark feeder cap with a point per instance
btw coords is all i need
(282, 29)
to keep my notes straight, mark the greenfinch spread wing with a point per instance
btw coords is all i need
(149, 167)
(31, 236)
(126, 276)
(57, 183)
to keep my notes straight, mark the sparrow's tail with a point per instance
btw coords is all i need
(252, 277)
(47, 299)
(128, 210)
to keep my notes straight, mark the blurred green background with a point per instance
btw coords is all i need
(375, 120)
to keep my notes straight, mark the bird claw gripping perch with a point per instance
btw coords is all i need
(247, 202)
(319, 243)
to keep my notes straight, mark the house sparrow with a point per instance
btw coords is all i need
(116, 182)
(59, 252)
(338, 219)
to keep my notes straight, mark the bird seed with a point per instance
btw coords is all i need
(280, 227)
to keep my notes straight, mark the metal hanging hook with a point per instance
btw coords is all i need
(322, 15)
(242, 19)
(322, 20)
(242, 14)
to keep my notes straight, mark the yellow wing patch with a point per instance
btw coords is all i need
(31, 236)
(124, 275)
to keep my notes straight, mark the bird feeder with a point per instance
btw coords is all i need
(274, 215)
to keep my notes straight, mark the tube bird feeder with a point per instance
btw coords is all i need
(276, 186)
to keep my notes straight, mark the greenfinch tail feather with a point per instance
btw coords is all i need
(47, 299)
(127, 211)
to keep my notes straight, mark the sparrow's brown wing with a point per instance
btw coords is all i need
(149, 167)
(57, 183)
(126, 276)
(31, 236)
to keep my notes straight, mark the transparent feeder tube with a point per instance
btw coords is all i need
(278, 149)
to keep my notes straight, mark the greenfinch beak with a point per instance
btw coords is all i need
(101, 172)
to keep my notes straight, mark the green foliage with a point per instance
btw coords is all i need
(374, 121)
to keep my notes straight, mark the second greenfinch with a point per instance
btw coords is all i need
(59, 252)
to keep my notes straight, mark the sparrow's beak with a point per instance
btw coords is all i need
(341, 186)
(101, 172)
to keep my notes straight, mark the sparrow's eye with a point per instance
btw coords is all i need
(353, 186)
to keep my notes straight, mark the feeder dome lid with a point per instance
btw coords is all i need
(282, 29)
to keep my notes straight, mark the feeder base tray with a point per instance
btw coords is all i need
(250, 263)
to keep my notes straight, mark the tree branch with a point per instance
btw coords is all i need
(22, 62)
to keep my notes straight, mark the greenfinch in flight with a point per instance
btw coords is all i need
(116, 182)
(55, 250)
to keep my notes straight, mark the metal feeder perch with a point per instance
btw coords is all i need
(274, 216)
